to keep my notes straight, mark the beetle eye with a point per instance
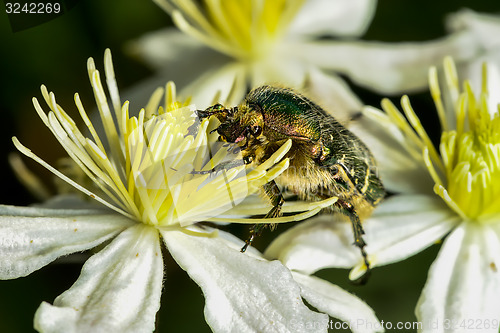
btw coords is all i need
(256, 130)
(247, 159)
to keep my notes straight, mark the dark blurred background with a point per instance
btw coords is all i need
(55, 54)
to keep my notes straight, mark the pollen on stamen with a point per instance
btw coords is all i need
(148, 168)
(242, 29)
(469, 152)
(466, 168)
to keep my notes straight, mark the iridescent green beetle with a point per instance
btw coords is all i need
(326, 159)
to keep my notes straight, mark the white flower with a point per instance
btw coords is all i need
(486, 31)
(143, 174)
(452, 190)
(259, 42)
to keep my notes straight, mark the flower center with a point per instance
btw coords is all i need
(170, 172)
(245, 29)
(472, 158)
(165, 167)
(466, 170)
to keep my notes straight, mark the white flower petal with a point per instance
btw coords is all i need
(472, 71)
(333, 94)
(400, 171)
(118, 290)
(161, 47)
(338, 303)
(389, 68)
(336, 18)
(473, 68)
(279, 67)
(220, 80)
(243, 293)
(486, 27)
(320, 242)
(69, 201)
(30, 238)
(461, 293)
(401, 226)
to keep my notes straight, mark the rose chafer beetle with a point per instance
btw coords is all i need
(326, 159)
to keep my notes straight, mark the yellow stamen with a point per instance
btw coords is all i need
(153, 171)
(245, 29)
(469, 154)
(436, 96)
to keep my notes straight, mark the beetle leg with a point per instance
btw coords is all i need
(247, 159)
(357, 228)
(274, 193)
(220, 167)
(255, 231)
(345, 179)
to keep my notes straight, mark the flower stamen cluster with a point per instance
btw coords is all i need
(466, 170)
(163, 167)
(242, 29)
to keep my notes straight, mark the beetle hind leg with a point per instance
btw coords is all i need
(357, 228)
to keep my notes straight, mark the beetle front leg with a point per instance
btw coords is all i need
(247, 159)
(274, 193)
(221, 167)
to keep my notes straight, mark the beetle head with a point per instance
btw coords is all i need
(238, 124)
